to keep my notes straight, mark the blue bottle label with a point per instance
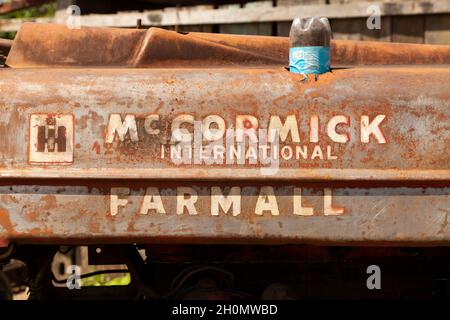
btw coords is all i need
(309, 60)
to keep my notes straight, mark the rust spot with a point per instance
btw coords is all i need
(95, 227)
(32, 216)
(96, 147)
(8, 198)
(4, 242)
(5, 221)
(50, 202)
(247, 124)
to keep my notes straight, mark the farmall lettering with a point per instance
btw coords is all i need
(51, 139)
(211, 141)
(222, 201)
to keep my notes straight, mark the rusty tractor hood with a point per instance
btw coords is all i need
(52, 45)
(91, 148)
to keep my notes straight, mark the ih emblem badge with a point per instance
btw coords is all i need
(51, 139)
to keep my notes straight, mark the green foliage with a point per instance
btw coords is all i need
(102, 280)
(45, 10)
(8, 35)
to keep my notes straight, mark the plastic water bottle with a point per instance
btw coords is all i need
(309, 41)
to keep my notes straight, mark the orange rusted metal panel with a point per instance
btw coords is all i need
(383, 181)
(236, 154)
(43, 45)
(118, 212)
(361, 123)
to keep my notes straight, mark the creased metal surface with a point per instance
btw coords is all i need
(44, 45)
(86, 153)
(414, 122)
(81, 212)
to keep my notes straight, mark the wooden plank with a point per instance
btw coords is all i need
(347, 29)
(189, 16)
(264, 28)
(196, 28)
(382, 34)
(356, 29)
(291, 3)
(350, 1)
(236, 28)
(283, 27)
(408, 29)
(247, 28)
(437, 29)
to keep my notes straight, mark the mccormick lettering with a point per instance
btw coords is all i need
(186, 140)
(213, 128)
